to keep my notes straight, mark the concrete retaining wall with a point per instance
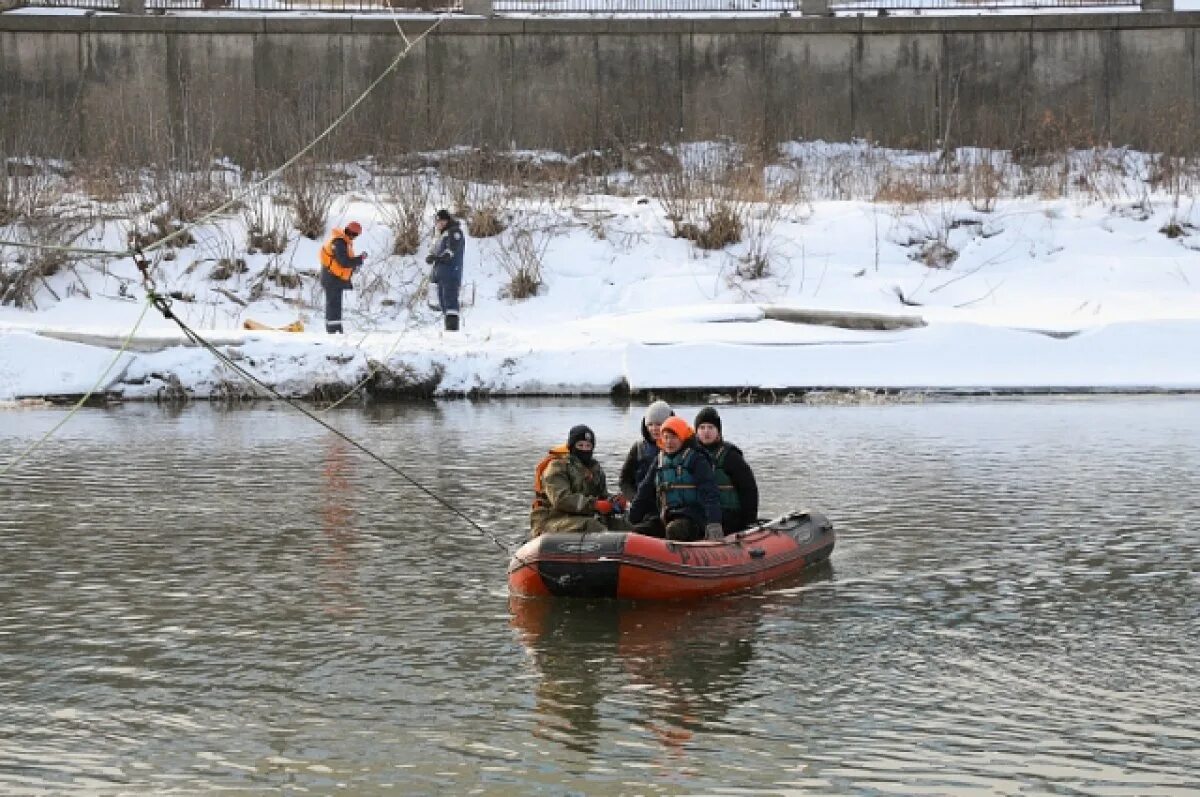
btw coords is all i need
(144, 87)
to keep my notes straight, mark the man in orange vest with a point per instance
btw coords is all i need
(338, 264)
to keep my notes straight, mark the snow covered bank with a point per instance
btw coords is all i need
(745, 358)
(1096, 291)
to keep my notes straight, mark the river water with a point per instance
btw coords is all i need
(234, 599)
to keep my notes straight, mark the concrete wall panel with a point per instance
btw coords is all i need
(809, 87)
(1150, 88)
(299, 91)
(640, 90)
(148, 88)
(41, 78)
(555, 91)
(896, 89)
(213, 110)
(724, 93)
(1067, 105)
(469, 81)
(125, 105)
(394, 117)
(985, 88)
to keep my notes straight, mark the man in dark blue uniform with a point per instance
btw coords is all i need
(447, 261)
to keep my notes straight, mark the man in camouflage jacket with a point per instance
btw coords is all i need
(573, 494)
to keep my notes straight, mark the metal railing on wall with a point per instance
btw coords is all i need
(715, 8)
(268, 6)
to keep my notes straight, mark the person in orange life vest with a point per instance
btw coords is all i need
(570, 491)
(735, 480)
(338, 264)
(678, 499)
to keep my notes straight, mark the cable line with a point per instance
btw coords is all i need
(143, 266)
(163, 305)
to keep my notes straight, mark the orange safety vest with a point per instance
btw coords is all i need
(540, 500)
(328, 261)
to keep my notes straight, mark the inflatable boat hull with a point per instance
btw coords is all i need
(633, 566)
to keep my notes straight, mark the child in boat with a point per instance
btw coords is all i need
(641, 455)
(678, 499)
(570, 492)
(735, 480)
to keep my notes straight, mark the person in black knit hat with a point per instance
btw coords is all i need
(735, 480)
(570, 490)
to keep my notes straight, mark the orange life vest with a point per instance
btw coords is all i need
(328, 261)
(539, 493)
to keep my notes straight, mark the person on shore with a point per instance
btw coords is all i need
(735, 481)
(338, 264)
(570, 491)
(446, 257)
(641, 455)
(678, 499)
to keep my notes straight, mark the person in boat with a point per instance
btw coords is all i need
(679, 498)
(735, 480)
(641, 455)
(570, 491)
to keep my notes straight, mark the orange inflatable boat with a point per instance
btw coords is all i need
(632, 566)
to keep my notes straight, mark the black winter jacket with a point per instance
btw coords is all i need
(637, 463)
(744, 484)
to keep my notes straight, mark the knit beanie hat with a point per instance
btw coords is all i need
(578, 433)
(678, 427)
(658, 412)
(708, 415)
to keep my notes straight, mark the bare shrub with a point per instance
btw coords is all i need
(173, 199)
(707, 199)
(481, 187)
(227, 267)
(228, 257)
(759, 225)
(104, 182)
(485, 222)
(28, 189)
(520, 254)
(405, 207)
(981, 184)
(903, 188)
(722, 226)
(312, 191)
(273, 274)
(937, 253)
(20, 280)
(188, 196)
(156, 228)
(266, 224)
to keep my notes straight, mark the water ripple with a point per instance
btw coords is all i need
(235, 600)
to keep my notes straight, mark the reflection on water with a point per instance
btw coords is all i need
(337, 525)
(236, 600)
(690, 661)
